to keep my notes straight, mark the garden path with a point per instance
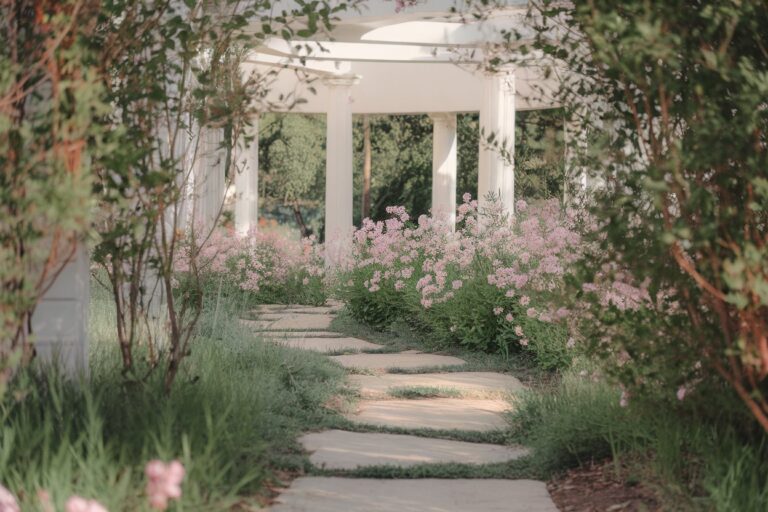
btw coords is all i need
(379, 437)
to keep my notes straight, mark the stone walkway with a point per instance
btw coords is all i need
(477, 404)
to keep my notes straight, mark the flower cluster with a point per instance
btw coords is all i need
(163, 482)
(480, 274)
(259, 263)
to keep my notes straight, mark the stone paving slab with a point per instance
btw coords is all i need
(434, 413)
(466, 382)
(400, 360)
(325, 344)
(338, 449)
(291, 322)
(328, 494)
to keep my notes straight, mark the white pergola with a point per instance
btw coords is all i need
(422, 60)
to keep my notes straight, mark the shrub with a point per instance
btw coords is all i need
(485, 286)
(670, 99)
(260, 268)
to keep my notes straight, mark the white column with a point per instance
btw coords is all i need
(60, 320)
(496, 168)
(247, 184)
(209, 179)
(576, 179)
(338, 170)
(444, 163)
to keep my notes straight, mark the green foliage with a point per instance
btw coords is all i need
(233, 423)
(689, 450)
(570, 425)
(50, 99)
(671, 99)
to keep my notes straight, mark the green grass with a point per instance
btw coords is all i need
(515, 469)
(703, 454)
(232, 419)
(414, 392)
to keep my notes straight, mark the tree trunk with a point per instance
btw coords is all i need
(366, 168)
(305, 231)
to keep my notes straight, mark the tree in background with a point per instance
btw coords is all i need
(292, 167)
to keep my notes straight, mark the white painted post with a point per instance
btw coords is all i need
(247, 185)
(60, 321)
(209, 179)
(444, 164)
(577, 181)
(338, 170)
(496, 167)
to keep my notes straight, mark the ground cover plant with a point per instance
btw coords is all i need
(232, 421)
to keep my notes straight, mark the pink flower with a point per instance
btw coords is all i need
(519, 331)
(399, 285)
(681, 391)
(305, 281)
(8, 501)
(163, 482)
(525, 300)
(531, 312)
(521, 206)
(457, 284)
(624, 400)
(524, 342)
(78, 504)
(497, 311)
(509, 317)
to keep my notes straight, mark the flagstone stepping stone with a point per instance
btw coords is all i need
(478, 383)
(325, 344)
(398, 360)
(330, 494)
(338, 449)
(292, 321)
(434, 413)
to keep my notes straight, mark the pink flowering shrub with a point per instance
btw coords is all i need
(487, 286)
(266, 267)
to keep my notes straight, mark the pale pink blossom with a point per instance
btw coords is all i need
(681, 392)
(78, 504)
(497, 311)
(8, 501)
(525, 300)
(524, 342)
(457, 284)
(163, 482)
(509, 317)
(624, 399)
